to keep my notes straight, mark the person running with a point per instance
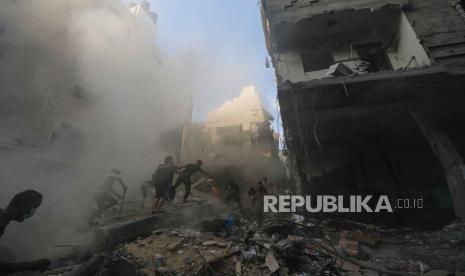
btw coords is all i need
(163, 178)
(185, 177)
(21, 207)
(106, 197)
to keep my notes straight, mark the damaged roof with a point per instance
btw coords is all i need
(292, 11)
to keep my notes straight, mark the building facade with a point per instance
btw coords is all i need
(371, 95)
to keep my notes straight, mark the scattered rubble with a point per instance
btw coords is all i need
(284, 245)
(348, 68)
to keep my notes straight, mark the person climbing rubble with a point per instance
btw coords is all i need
(271, 187)
(265, 182)
(163, 178)
(106, 197)
(21, 207)
(185, 174)
(256, 195)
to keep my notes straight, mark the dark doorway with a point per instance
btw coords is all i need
(375, 55)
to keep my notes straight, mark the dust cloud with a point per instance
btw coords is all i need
(245, 108)
(83, 89)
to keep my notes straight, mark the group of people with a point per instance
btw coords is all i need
(24, 204)
(165, 189)
(255, 195)
(162, 182)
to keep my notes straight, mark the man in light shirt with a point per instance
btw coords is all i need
(106, 197)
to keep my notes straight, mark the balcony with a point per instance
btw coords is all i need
(321, 39)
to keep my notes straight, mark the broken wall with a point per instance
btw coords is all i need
(441, 27)
(409, 52)
(298, 27)
(349, 37)
(344, 138)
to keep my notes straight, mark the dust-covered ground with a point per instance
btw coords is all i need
(208, 237)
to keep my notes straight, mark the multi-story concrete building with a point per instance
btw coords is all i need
(372, 95)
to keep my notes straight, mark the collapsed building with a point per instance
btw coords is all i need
(236, 142)
(371, 97)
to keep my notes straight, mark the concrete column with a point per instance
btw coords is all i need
(450, 159)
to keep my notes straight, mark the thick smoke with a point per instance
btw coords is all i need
(245, 108)
(83, 89)
(241, 136)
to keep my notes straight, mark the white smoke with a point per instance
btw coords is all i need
(62, 145)
(244, 109)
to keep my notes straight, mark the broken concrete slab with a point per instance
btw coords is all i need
(88, 268)
(111, 235)
(174, 246)
(350, 246)
(338, 70)
(348, 266)
(238, 267)
(362, 237)
(271, 262)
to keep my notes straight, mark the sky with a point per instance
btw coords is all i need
(225, 39)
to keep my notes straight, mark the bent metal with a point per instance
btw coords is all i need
(325, 204)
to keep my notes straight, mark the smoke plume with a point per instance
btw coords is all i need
(83, 89)
(246, 108)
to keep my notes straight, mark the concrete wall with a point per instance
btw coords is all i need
(430, 17)
(408, 48)
(440, 27)
(396, 32)
(433, 24)
(431, 31)
(290, 67)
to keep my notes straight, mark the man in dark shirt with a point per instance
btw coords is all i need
(185, 177)
(262, 190)
(21, 207)
(256, 195)
(252, 193)
(162, 178)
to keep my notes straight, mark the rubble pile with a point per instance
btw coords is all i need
(234, 243)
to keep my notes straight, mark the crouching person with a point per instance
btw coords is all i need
(106, 197)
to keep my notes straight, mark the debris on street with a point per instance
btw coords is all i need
(284, 245)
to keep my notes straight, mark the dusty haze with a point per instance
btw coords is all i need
(83, 89)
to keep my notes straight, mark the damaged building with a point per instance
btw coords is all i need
(371, 97)
(236, 142)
